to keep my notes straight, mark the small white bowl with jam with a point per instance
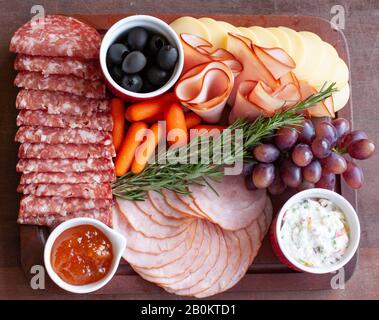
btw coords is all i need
(82, 255)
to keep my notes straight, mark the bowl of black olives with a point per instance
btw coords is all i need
(141, 57)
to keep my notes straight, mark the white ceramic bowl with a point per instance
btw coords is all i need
(118, 246)
(150, 23)
(351, 218)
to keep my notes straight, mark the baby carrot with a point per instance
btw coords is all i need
(192, 119)
(128, 147)
(117, 111)
(147, 148)
(149, 108)
(176, 125)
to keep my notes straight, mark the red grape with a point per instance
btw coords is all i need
(361, 149)
(302, 155)
(290, 173)
(334, 163)
(285, 138)
(312, 172)
(327, 131)
(353, 136)
(327, 181)
(249, 183)
(342, 127)
(353, 175)
(306, 185)
(247, 168)
(321, 148)
(263, 175)
(266, 153)
(307, 132)
(277, 186)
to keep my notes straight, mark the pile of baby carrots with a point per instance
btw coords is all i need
(137, 130)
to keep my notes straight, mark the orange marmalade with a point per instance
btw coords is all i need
(81, 255)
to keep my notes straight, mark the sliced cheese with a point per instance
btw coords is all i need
(264, 37)
(341, 73)
(218, 37)
(283, 40)
(341, 97)
(246, 32)
(227, 27)
(297, 44)
(190, 25)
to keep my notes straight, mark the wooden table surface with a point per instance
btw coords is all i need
(361, 30)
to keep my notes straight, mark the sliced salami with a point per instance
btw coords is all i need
(65, 151)
(60, 103)
(68, 177)
(52, 220)
(68, 84)
(102, 121)
(64, 165)
(81, 190)
(59, 135)
(31, 205)
(57, 36)
(87, 69)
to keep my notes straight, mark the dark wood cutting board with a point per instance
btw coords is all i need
(266, 273)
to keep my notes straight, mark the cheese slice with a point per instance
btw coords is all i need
(218, 37)
(283, 40)
(246, 32)
(297, 44)
(341, 97)
(264, 37)
(227, 27)
(190, 25)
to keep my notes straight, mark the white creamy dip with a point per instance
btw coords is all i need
(315, 233)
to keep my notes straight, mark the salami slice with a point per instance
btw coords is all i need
(31, 205)
(55, 36)
(65, 151)
(102, 121)
(68, 177)
(87, 69)
(81, 190)
(52, 220)
(64, 165)
(59, 135)
(68, 84)
(60, 103)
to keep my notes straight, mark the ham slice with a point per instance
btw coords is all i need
(173, 201)
(160, 204)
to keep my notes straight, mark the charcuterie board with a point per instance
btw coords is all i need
(267, 273)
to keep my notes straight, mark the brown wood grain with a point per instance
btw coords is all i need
(362, 34)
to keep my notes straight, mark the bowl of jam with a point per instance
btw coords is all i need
(141, 57)
(82, 255)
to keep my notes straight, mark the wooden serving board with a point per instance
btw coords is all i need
(266, 273)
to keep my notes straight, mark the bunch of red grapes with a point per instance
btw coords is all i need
(309, 156)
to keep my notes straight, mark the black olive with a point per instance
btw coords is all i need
(116, 73)
(156, 76)
(148, 87)
(137, 38)
(167, 57)
(132, 82)
(116, 53)
(156, 42)
(134, 62)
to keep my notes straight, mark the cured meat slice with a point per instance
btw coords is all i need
(68, 177)
(233, 207)
(149, 261)
(144, 224)
(140, 243)
(80, 190)
(56, 35)
(58, 135)
(174, 203)
(158, 201)
(65, 151)
(52, 220)
(33, 205)
(68, 84)
(64, 165)
(102, 121)
(190, 203)
(54, 102)
(87, 69)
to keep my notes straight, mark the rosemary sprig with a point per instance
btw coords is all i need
(176, 176)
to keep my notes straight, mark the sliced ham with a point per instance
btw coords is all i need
(101, 121)
(54, 102)
(173, 201)
(68, 84)
(160, 204)
(233, 207)
(58, 135)
(65, 151)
